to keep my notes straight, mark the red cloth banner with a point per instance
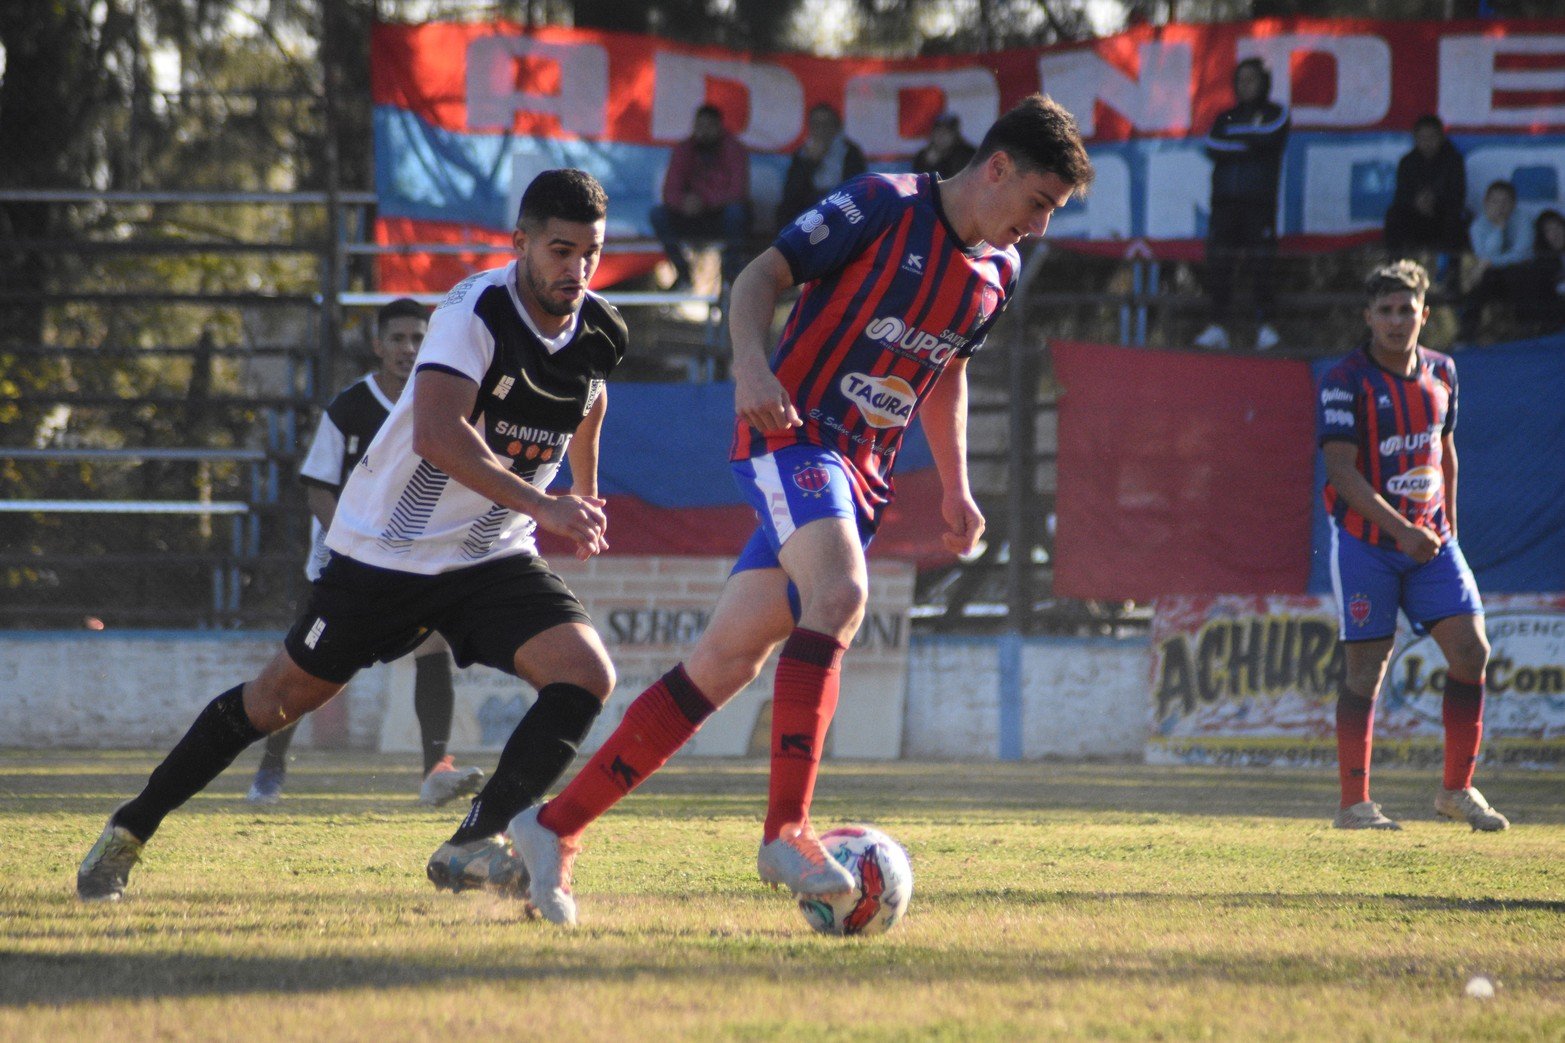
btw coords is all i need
(1181, 473)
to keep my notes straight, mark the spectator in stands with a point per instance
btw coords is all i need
(947, 151)
(1429, 207)
(1544, 299)
(1245, 145)
(706, 195)
(827, 158)
(1502, 243)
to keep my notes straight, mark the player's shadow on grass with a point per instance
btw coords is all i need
(60, 979)
(1311, 902)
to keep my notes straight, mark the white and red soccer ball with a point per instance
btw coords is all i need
(884, 880)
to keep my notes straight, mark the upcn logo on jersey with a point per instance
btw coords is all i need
(1419, 485)
(1408, 443)
(913, 342)
(883, 401)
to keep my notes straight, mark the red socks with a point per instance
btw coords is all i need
(1462, 714)
(803, 702)
(1355, 739)
(656, 725)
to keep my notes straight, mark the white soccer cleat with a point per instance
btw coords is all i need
(549, 858)
(797, 860)
(1363, 815)
(1470, 806)
(446, 782)
(1213, 338)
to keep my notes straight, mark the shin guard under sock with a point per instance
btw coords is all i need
(220, 733)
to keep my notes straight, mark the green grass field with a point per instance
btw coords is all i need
(1052, 901)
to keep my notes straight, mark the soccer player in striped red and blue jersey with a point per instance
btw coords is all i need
(902, 278)
(1387, 423)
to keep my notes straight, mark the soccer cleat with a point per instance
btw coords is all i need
(487, 864)
(267, 787)
(446, 782)
(1213, 338)
(549, 858)
(1470, 805)
(106, 869)
(796, 860)
(1363, 815)
(1266, 338)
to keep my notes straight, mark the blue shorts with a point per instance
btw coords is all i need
(1370, 583)
(789, 488)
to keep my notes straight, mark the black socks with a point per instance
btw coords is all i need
(534, 758)
(220, 733)
(433, 697)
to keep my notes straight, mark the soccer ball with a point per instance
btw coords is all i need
(879, 867)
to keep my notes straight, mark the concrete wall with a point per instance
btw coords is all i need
(965, 698)
(1023, 699)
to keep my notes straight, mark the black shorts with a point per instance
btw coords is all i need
(358, 614)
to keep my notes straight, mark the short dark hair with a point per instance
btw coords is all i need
(1041, 137)
(568, 194)
(1500, 186)
(401, 308)
(709, 110)
(1396, 277)
(1429, 119)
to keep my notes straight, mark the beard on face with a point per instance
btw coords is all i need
(541, 293)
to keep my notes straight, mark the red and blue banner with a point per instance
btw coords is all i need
(465, 115)
(1192, 474)
(664, 471)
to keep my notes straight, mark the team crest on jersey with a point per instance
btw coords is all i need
(1358, 609)
(882, 401)
(812, 479)
(988, 301)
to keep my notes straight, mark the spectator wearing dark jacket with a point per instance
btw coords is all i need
(827, 158)
(947, 151)
(1245, 145)
(706, 195)
(1429, 207)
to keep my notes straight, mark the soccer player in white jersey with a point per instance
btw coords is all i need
(434, 532)
(349, 424)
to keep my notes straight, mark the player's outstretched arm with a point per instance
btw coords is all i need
(945, 425)
(442, 402)
(1342, 472)
(760, 400)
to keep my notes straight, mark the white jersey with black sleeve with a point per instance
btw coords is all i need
(348, 426)
(399, 511)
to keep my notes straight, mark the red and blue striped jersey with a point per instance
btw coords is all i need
(1397, 423)
(890, 296)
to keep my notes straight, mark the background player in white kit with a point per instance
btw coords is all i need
(350, 423)
(434, 531)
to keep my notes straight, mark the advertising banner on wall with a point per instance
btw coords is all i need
(466, 114)
(1257, 677)
(650, 612)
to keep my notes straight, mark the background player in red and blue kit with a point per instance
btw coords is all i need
(1387, 422)
(903, 276)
